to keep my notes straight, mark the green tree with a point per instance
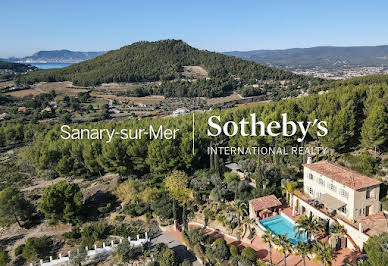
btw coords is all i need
(92, 233)
(13, 206)
(220, 250)
(303, 249)
(177, 186)
(323, 253)
(231, 176)
(375, 127)
(241, 261)
(284, 246)
(269, 238)
(200, 253)
(306, 225)
(37, 248)
(249, 253)
(376, 249)
(168, 258)
(233, 250)
(367, 164)
(62, 202)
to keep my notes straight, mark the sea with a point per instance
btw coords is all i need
(50, 65)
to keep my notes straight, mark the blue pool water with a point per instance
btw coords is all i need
(283, 225)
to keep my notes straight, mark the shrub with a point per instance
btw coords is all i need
(124, 252)
(186, 263)
(249, 253)
(78, 256)
(197, 235)
(375, 248)
(168, 258)
(75, 233)
(4, 258)
(119, 218)
(220, 250)
(240, 261)
(37, 248)
(233, 250)
(135, 210)
(19, 250)
(186, 239)
(92, 233)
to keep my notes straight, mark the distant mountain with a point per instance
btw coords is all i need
(323, 57)
(57, 56)
(166, 61)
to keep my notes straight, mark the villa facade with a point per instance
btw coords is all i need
(341, 190)
(336, 194)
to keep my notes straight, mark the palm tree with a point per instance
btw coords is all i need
(320, 228)
(306, 225)
(337, 231)
(247, 222)
(323, 253)
(269, 238)
(241, 209)
(303, 249)
(284, 246)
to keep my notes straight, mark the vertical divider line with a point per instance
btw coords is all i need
(193, 134)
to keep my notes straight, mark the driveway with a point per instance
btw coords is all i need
(178, 247)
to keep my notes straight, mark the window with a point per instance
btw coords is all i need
(321, 181)
(361, 211)
(332, 187)
(311, 176)
(368, 194)
(343, 209)
(344, 193)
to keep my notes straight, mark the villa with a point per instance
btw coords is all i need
(336, 194)
(333, 194)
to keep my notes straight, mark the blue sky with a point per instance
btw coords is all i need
(85, 25)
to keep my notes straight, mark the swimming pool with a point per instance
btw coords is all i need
(283, 225)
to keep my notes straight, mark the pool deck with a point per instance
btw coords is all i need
(342, 256)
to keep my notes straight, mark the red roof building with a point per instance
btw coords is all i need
(267, 205)
(342, 175)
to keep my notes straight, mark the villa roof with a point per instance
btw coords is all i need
(375, 224)
(342, 175)
(265, 203)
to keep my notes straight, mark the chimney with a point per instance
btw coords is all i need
(360, 228)
(309, 160)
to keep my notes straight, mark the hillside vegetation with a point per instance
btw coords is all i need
(357, 118)
(165, 61)
(8, 70)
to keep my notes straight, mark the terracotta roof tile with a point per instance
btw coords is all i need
(265, 202)
(375, 224)
(342, 175)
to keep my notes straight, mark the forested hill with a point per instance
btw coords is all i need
(8, 70)
(164, 61)
(16, 67)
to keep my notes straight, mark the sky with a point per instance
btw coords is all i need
(85, 25)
